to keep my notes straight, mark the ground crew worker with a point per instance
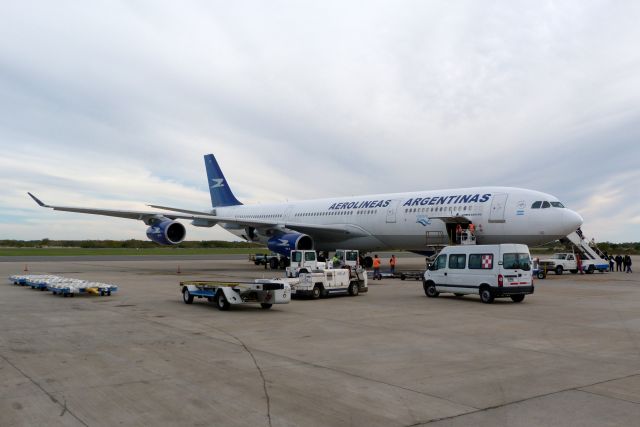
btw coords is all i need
(376, 268)
(472, 228)
(335, 261)
(579, 263)
(392, 264)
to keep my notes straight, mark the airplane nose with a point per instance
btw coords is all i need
(571, 220)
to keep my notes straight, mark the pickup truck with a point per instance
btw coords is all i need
(561, 262)
(273, 260)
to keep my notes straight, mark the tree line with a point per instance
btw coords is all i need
(132, 243)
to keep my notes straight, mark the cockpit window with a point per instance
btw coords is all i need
(557, 205)
(546, 205)
(536, 205)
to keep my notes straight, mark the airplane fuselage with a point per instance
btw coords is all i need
(413, 220)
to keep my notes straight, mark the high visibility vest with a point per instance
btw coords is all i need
(376, 263)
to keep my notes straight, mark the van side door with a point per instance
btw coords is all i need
(457, 271)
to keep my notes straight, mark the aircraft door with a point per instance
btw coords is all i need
(498, 204)
(391, 211)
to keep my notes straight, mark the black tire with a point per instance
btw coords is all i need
(368, 262)
(265, 306)
(256, 262)
(186, 296)
(558, 270)
(517, 298)
(221, 302)
(541, 275)
(402, 276)
(574, 271)
(486, 296)
(301, 271)
(459, 295)
(430, 290)
(354, 289)
(316, 292)
(273, 263)
(591, 269)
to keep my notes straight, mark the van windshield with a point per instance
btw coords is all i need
(514, 261)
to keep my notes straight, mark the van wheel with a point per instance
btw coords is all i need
(265, 306)
(221, 302)
(186, 296)
(541, 275)
(459, 295)
(430, 290)
(559, 270)
(402, 276)
(354, 289)
(574, 271)
(517, 298)
(486, 296)
(316, 292)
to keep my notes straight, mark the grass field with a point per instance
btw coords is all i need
(125, 251)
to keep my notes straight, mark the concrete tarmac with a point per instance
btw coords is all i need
(569, 355)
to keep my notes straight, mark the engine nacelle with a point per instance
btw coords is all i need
(167, 232)
(285, 243)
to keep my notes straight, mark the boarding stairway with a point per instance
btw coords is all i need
(587, 251)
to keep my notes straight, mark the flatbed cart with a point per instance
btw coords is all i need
(225, 294)
(410, 274)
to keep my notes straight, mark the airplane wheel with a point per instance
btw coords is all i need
(368, 262)
(273, 263)
(266, 306)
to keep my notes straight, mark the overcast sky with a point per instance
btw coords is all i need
(113, 104)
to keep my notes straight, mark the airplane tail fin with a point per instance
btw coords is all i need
(221, 194)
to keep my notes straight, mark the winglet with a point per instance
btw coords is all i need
(38, 201)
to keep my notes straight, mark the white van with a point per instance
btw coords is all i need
(492, 271)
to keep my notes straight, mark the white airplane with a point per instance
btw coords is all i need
(414, 221)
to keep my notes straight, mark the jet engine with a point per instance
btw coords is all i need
(166, 232)
(284, 243)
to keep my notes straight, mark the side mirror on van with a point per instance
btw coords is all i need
(432, 267)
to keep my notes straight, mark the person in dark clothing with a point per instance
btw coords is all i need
(618, 262)
(627, 264)
(611, 262)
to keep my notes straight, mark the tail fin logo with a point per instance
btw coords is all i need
(217, 182)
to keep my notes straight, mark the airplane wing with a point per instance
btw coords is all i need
(210, 220)
(139, 215)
